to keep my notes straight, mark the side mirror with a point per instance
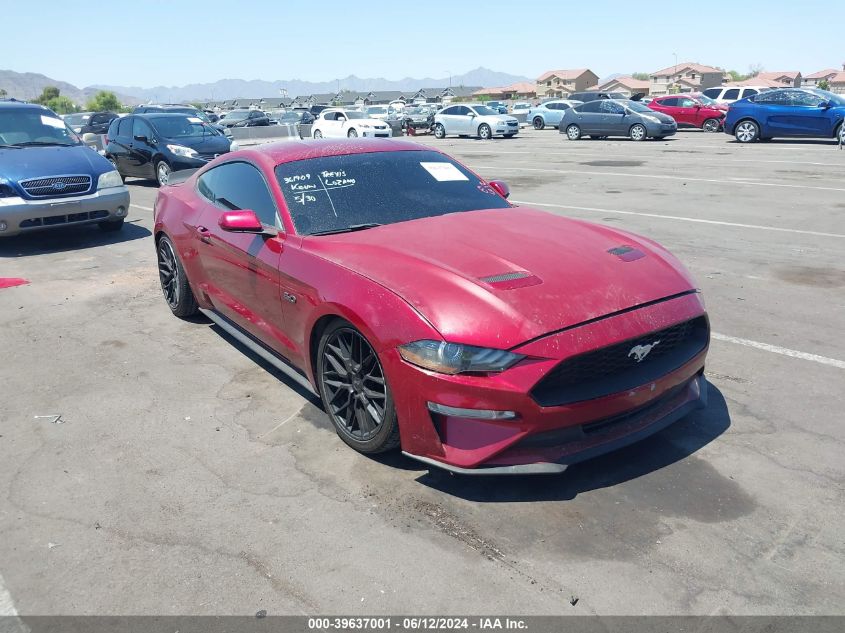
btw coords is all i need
(243, 221)
(500, 187)
(89, 137)
(825, 105)
(141, 138)
(472, 115)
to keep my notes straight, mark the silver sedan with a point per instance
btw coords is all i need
(616, 117)
(474, 120)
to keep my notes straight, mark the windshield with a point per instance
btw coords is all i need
(335, 192)
(484, 110)
(705, 99)
(77, 119)
(636, 106)
(34, 126)
(181, 127)
(830, 96)
(355, 114)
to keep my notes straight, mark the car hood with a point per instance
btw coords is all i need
(498, 118)
(36, 162)
(660, 116)
(500, 277)
(208, 144)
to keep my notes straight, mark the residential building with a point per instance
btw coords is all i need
(625, 84)
(556, 84)
(812, 81)
(519, 90)
(781, 78)
(685, 77)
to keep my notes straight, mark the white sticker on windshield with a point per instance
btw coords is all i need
(52, 122)
(194, 119)
(444, 172)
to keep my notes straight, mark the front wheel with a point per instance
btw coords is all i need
(317, 134)
(174, 282)
(711, 125)
(162, 173)
(573, 132)
(353, 133)
(484, 132)
(638, 132)
(439, 131)
(354, 391)
(747, 132)
(539, 124)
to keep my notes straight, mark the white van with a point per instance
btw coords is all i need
(729, 94)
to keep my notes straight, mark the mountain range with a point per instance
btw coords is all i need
(29, 85)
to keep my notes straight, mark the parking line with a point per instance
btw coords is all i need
(7, 607)
(776, 349)
(661, 177)
(138, 206)
(682, 219)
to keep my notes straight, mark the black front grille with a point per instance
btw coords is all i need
(52, 220)
(616, 368)
(207, 157)
(57, 186)
(513, 123)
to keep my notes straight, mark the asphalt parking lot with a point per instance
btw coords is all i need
(188, 477)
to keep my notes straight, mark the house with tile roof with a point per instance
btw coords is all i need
(781, 78)
(519, 90)
(812, 80)
(625, 84)
(556, 84)
(685, 77)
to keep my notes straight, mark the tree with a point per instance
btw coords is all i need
(49, 92)
(640, 76)
(103, 101)
(61, 105)
(824, 85)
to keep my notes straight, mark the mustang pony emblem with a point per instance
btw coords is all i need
(639, 352)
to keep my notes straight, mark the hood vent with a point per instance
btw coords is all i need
(626, 253)
(511, 280)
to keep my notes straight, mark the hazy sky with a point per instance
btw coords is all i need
(150, 43)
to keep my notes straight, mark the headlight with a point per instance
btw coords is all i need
(181, 150)
(454, 358)
(109, 179)
(653, 119)
(233, 146)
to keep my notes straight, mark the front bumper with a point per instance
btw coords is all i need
(374, 133)
(661, 129)
(501, 130)
(544, 439)
(23, 216)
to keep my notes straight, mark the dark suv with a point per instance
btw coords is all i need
(168, 108)
(245, 118)
(154, 145)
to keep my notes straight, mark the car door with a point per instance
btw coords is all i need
(666, 105)
(142, 148)
(241, 270)
(773, 112)
(612, 118)
(687, 113)
(119, 147)
(331, 125)
(468, 121)
(807, 117)
(448, 119)
(590, 117)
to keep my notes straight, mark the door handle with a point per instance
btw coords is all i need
(205, 234)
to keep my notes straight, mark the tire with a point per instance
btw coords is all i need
(174, 282)
(573, 132)
(352, 133)
(162, 172)
(840, 130)
(638, 132)
(439, 131)
(114, 164)
(747, 131)
(484, 132)
(317, 134)
(711, 125)
(538, 122)
(351, 383)
(111, 226)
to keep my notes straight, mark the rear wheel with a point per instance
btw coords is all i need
(638, 132)
(711, 125)
(354, 390)
(439, 131)
(174, 282)
(162, 173)
(573, 132)
(840, 133)
(747, 131)
(484, 132)
(539, 124)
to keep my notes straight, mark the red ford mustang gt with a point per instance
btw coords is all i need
(427, 311)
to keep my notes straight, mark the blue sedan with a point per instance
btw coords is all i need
(788, 112)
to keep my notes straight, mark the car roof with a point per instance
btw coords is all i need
(22, 104)
(162, 115)
(289, 151)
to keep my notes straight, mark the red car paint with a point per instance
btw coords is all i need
(585, 288)
(689, 111)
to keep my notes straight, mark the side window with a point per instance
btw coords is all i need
(771, 97)
(713, 93)
(611, 107)
(805, 99)
(733, 93)
(124, 128)
(671, 102)
(590, 106)
(235, 186)
(461, 110)
(141, 128)
(448, 111)
(749, 92)
(686, 102)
